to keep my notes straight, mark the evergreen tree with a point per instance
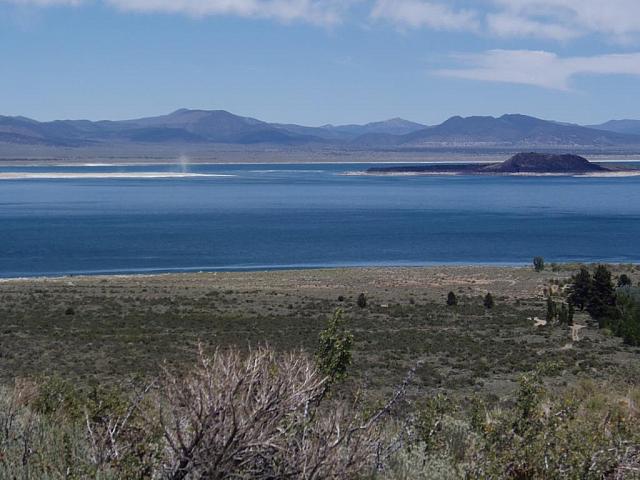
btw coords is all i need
(580, 289)
(452, 300)
(602, 298)
(362, 300)
(630, 326)
(488, 301)
(570, 315)
(538, 264)
(552, 310)
(563, 315)
(624, 280)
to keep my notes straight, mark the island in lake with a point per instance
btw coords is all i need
(522, 163)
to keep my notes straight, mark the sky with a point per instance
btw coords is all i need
(316, 62)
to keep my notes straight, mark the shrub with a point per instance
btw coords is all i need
(333, 356)
(259, 416)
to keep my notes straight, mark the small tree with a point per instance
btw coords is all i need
(630, 325)
(538, 264)
(333, 356)
(362, 300)
(488, 301)
(624, 280)
(580, 289)
(452, 300)
(552, 309)
(563, 315)
(570, 314)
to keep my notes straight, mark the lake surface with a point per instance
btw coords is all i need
(283, 216)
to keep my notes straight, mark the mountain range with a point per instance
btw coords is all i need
(631, 127)
(221, 127)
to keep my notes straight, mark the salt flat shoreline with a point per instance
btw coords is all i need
(102, 175)
(305, 273)
(181, 275)
(619, 174)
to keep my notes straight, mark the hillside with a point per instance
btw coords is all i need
(544, 163)
(211, 127)
(513, 130)
(81, 354)
(628, 127)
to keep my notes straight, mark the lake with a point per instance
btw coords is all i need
(235, 217)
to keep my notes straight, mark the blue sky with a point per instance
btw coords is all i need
(321, 61)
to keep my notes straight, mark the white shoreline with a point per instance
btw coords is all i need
(494, 174)
(101, 175)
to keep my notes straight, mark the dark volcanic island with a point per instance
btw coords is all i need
(521, 163)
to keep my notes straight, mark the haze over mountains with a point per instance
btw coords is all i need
(204, 127)
(631, 127)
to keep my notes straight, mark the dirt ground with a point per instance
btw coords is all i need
(105, 329)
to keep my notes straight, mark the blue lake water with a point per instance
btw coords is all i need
(282, 216)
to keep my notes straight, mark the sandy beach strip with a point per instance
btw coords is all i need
(99, 175)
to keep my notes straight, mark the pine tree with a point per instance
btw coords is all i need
(570, 315)
(452, 300)
(580, 289)
(362, 300)
(552, 310)
(563, 315)
(630, 326)
(624, 280)
(488, 301)
(602, 298)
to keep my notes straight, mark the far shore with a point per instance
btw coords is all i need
(614, 174)
(70, 158)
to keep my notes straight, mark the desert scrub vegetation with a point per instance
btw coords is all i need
(262, 414)
(127, 327)
(232, 415)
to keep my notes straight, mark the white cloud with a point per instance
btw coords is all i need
(314, 11)
(616, 19)
(42, 3)
(512, 25)
(323, 12)
(539, 68)
(420, 13)
(558, 20)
